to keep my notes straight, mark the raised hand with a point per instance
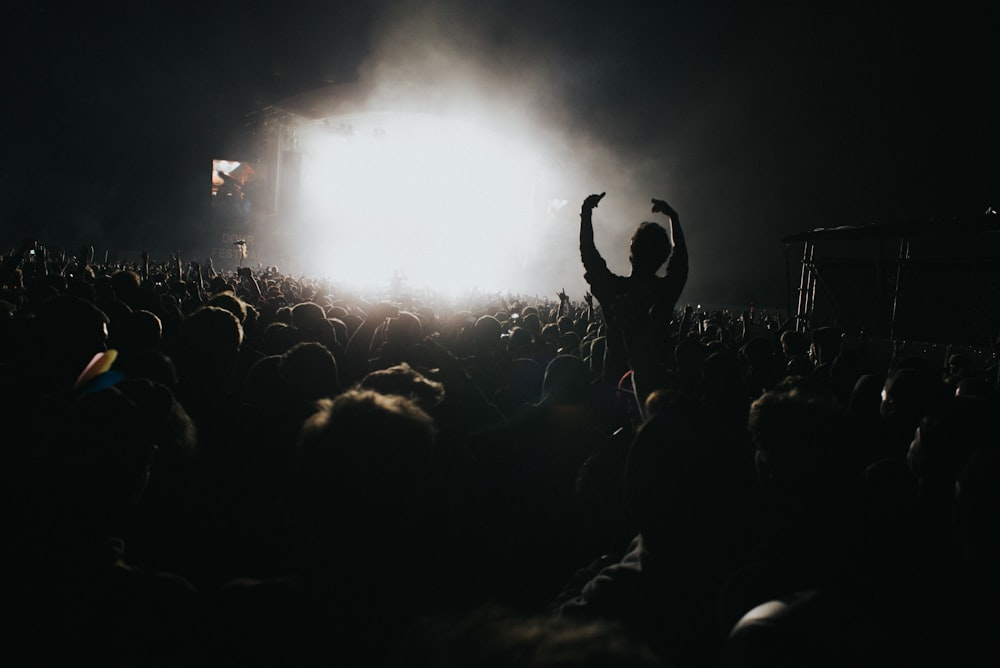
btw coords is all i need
(562, 296)
(592, 201)
(589, 298)
(659, 206)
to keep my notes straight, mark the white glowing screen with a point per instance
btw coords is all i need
(449, 203)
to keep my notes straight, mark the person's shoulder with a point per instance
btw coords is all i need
(608, 277)
(674, 275)
(599, 274)
(153, 582)
(155, 599)
(238, 588)
(251, 599)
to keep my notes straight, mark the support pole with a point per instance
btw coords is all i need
(807, 288)
(904, 256)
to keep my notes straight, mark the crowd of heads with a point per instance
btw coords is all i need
(253, 468)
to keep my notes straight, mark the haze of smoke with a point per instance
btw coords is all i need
(447, 58)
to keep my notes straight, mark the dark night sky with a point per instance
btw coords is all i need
(756, 120)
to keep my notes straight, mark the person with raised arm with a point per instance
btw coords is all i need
(637, 308)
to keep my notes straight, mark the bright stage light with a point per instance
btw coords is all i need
(452, 204)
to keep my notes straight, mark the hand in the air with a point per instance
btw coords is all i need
(592, 201)
(659, 206)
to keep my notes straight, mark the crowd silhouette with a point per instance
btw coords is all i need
(250, 468)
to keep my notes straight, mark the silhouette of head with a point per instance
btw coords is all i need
(666, 478)
(648, 248)
(493, 636)
(230, 302)
(309, 371)
(307, 315)
(67, 333)
(566, 380)
(91, 454)
(405, 381)
(486, 333)
(404, 329)
(365, 460)
(210, 343)
(798, 438)
(782, 632)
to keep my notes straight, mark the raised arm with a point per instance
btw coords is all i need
(564, 307)
(11, 262)
(678, 259)
(676, 235)
(247, 282)
(592, 259)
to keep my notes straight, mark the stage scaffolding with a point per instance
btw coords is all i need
(915, 280)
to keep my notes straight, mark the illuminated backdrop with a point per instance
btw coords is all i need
(433, 196)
